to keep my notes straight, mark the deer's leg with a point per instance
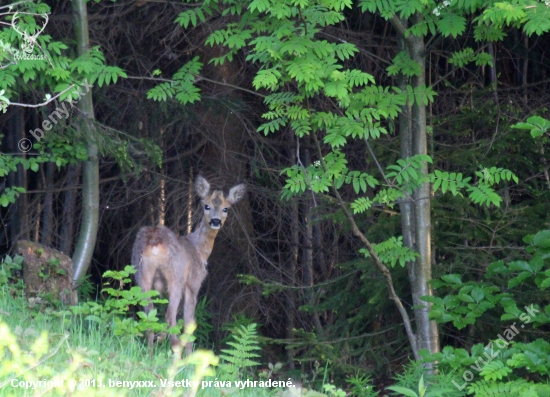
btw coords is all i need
(189, 313)
(146, 283)
(172, 311)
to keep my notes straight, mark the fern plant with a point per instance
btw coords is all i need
(519, 387)
(242, 354)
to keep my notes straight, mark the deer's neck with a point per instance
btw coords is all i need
(203, 240)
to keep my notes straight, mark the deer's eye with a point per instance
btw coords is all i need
(225, 209)
(207, 207)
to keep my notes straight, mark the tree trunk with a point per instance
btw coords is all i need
(427, 332)
(90, 179)
(291, 277)
(307, 257)
(406, 207)
(19, 221)
(69, 205)
(47, 211)
(416, 218)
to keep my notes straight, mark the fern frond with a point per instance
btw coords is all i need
(517, 387)
(242, 353)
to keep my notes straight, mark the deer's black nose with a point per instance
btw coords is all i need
(216, 222)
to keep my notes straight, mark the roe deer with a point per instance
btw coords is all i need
(176, 265)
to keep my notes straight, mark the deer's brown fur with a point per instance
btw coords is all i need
(176, 265)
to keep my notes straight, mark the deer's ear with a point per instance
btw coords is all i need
(202, 187)
(236, 193)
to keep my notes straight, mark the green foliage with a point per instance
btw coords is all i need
(181, 87)
(10, 194)
(361, 386)
(532, 17)
(482, 193)
(8, 269)
(410, 393)
(451, 24)
(53, 148)
(495, 370)
(91, 66)
(491, 388)
(299, 71)
(361, 205)
(421, 95)
(81, 371)
(462, 58)
(244, 346)
(47, 67)
(203, 317)
(55, 346)
(51, 67)
(531, 356)
(537, 125)
(411, 383)
(404, 64)
(111, 314)
(407, 173)
(502, 14)
(190, 17)
(392, 251)
(466, 306)
(500, 363)
(537, 19)
(332, 390)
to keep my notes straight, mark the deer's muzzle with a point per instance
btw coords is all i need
(215, 223)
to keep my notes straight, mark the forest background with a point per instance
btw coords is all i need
(384, 144)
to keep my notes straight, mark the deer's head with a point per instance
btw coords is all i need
(216, 204)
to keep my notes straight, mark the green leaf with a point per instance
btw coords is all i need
(402, 390)
(466, 298)
(451, 24)
(542, 239)
(452, 279)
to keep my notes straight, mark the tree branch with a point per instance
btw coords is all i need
(378, 263)
(398, 25)
(25, 105)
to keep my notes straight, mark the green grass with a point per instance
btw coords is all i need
(40, 343)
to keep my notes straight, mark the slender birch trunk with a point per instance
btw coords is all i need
(90, 174)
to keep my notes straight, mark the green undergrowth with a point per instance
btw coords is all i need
(97, 348)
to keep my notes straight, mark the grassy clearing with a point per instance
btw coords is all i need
(81, 358)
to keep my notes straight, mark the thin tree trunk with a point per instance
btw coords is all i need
(38, 211)
(19, 222)
(47, 211)
(69, 206)
(90, 179)
(318, 244)
(405, 139)
(525, 67)
(162, 199)
(418, 218)
(307, 257)
(427, 333)
(493, 71)
(190, 197)
(291, 276)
